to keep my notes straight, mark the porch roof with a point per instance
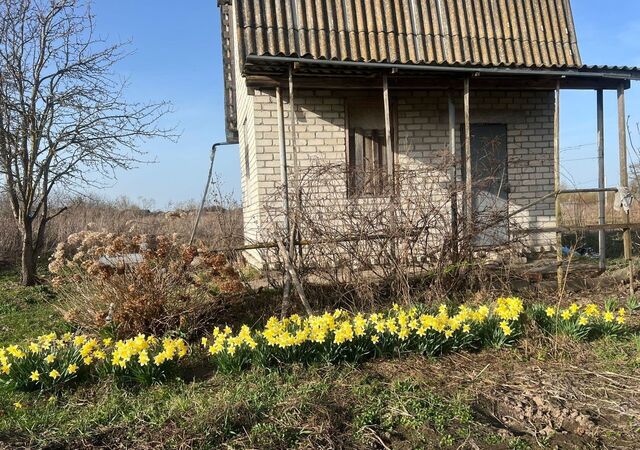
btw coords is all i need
(263, 71)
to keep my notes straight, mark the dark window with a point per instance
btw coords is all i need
(367, 149)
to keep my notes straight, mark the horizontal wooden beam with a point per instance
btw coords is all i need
(579, 228)
(369, 81)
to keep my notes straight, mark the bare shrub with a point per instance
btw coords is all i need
(220, 226)
(404, 246)
(136, 283)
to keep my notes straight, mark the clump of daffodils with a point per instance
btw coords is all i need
(581, 321)
(51, 360)
(339, 335)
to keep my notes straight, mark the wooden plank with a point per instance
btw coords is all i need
(380, 158)
(601, 181)
(412, 82)
(387, 128)
(284, 178)
(358, 168)
(294, 150)
(580, 228)
(624, 180)
(453, 173)
(467, 153)
(556, 183)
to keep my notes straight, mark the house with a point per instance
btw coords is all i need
(378, 87)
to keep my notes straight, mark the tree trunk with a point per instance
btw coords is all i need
(29, 257)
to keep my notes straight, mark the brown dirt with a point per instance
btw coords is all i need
(573, 401)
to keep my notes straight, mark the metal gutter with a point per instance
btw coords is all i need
(448, 69)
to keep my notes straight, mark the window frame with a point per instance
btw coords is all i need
(361, 101)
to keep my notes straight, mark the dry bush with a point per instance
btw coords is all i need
(136, 283)
(404, 247)
(220, 226)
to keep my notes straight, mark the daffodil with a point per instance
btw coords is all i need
(35, 376)
(506, 329)
(54, 374)
(143, 358)
(583, 321)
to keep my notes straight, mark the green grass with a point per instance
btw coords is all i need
(25, 311)
(316, 407)
(396, 402)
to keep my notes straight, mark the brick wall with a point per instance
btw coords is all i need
(423, 134)
(245, 110)
(422, 125)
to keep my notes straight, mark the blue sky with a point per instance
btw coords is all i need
(178, 58)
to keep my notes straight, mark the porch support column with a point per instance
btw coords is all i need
(601, 195)
(390, 161)
(467, 154)
(296, 168)
(292, 127)
(387, 128)
(284, 178)
(624, 179)
(453, 175)
(556, 186)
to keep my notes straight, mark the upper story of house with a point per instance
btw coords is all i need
(451, 38)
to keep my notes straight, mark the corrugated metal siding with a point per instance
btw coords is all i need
(524, 33)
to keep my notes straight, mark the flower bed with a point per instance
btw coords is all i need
(580, 322)
(52, 360)
(339, 336)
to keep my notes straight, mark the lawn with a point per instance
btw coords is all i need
(542, 393)
(25, 312)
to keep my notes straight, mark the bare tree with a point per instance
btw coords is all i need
(64, 119)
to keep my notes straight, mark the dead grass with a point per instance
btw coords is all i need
(220, 227)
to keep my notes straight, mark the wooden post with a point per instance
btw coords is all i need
(387, 127)
(292, 128)
(453, 175)
(601, 181)
(467, 153)
(296, 168)
(624, 179)
(556, 184)
(284, 178)
(390, 162)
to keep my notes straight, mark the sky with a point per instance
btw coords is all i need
(177, 57)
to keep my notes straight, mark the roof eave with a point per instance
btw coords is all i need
(582, 71)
